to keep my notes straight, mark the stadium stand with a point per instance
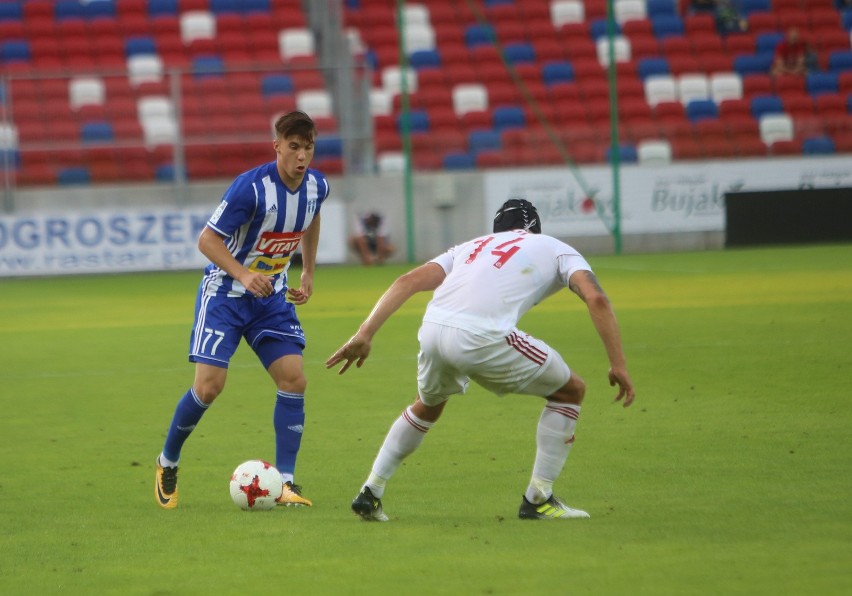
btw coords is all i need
(484, 76)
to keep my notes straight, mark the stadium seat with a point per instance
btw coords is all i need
(315, 102)
(817, 83)
(700, 109)
(478, 35)
(654, 152)
(667, 26)
(821, 145)
(508, 117)
(746, 64)
(197, 24)
(725, 85)
(483, 140)
(295, 42)
(621, 50)
(471, 97)
(86, 91)
(629, 10)
(458, 161)
(276, 84)
(660, 88)
(692, 87)
(566, 11)
(652, 66)
(775, 127)
(762, 105)
(626, 153)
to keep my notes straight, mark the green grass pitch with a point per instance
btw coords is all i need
(731, 474)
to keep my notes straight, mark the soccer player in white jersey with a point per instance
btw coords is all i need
(482, 288)
(264, 216)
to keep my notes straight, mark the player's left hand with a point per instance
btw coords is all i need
(301, 294)
(357, 348)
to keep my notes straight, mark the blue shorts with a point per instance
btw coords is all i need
(269, 325)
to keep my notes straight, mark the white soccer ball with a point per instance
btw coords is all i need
(255, 485)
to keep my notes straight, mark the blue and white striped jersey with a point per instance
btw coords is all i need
(263, 222)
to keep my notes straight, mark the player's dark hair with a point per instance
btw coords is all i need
(517, 214)
(296, 124)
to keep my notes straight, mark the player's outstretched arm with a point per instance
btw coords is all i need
(423, 278)
(586, 286)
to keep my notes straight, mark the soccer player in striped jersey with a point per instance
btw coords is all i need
(264, 216)
(482, 288)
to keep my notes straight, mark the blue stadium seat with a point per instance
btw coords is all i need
(667, 26)
(557, 72)
(207, 66)
(330, 146)
(817, 83)
(69, 9)
(100, 8)
(162, 7)
(818, 146)
(11, 11)
(656, 8)
(96, 132)
(506, 117)
(767, 41)
(255, 6)
(520, 52)
(749, 6)
(477, 35)
(224, 6)
(483, 140)
(418, 121)
(702, 109)
(458, 161)
(598, 28)
(276, 84)
(10, 158)
(139, 45)
(746, 64)
(74, 175)
(425, 59)
(840, 60)
(15, 51)
(626, 153)
(652, 65)
(846, 19)
(762, 105)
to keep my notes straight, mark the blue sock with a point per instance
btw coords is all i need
(288, 419)
(188, 412)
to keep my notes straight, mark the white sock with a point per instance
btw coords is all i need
(286, 477)
(554, 438)
(403, 438)
(167, 463)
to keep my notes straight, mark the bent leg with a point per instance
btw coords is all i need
(403, 439)
(209, 382)
(554, 438)
(288, 417)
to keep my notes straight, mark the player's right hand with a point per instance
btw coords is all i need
(620, 377)
(356, 349)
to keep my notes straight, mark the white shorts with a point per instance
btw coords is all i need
(519, 363)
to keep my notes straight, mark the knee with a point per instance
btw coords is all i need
(572, 392)
(294, 384)
(208, 390)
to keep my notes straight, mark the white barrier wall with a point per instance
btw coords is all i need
(98, 229)
(676, 198)
(116, 239)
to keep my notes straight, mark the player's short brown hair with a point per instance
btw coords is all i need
(296, 124)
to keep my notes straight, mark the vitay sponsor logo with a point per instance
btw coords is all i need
(278, 243)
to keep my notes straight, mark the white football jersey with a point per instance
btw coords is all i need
(493, 280)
